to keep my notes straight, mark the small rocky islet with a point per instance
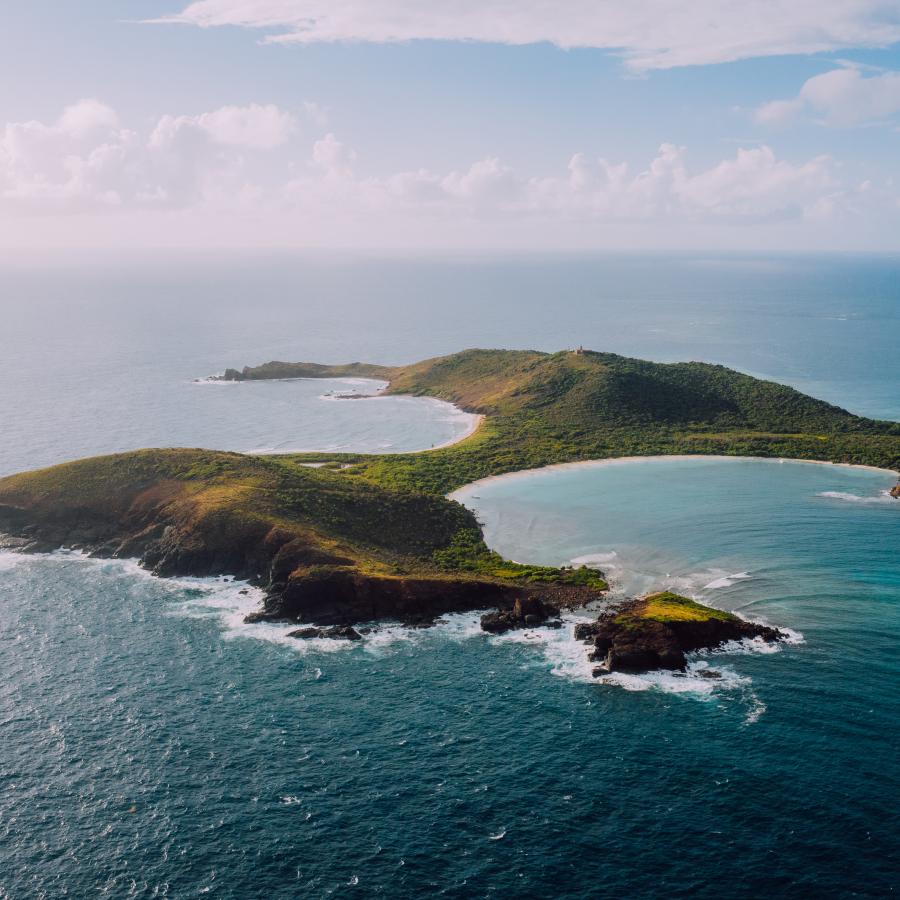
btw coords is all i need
(639, 635)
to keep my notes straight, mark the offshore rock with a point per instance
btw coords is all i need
(526, 612)
(336, 632)
(655, 632)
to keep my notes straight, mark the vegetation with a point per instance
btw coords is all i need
(383, 517)
(668, 607)
(544, 408)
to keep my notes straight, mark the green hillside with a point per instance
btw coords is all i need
(367, 537)
(544, 408)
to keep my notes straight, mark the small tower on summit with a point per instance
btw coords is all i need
(579, 351)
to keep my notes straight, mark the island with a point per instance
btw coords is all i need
(362, 537)
(656, 631)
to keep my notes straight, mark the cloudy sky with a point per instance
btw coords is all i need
(475, 125)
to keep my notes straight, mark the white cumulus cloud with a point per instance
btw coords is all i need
(87, 159)
(650, 34)
(841, 97)
(248, 169)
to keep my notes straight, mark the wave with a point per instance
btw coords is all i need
(883, 497)
(213, 379)
(724, 581)
(596, 560)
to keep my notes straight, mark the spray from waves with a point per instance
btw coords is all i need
(10, 560)
(883, 497)
(213, 379)
(227, 601)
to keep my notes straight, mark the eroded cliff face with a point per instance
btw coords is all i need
(329, 595)
(303, 582)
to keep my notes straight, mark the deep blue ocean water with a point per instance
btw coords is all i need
(152, 745)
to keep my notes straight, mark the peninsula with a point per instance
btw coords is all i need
(363, 537)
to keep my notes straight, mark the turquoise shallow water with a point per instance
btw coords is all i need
(152, 745)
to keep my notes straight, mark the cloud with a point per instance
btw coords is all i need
(650, 34)
(753, 186)
(86, 159)
(842, 97)
(251, 168)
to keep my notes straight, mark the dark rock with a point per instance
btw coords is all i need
(624, 641)
(336, 632)
(526, 612)
(303, 633)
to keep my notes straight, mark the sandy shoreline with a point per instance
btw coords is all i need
(474, 425)
(617, 460)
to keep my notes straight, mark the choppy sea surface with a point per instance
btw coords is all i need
(153, 745)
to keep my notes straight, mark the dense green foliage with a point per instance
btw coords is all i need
(563, 407)
(387, 514)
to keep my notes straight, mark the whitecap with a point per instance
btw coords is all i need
(498, 836)
(595, 560)
(725, 581)
(10, 560)
(883, 497)
(700, 680)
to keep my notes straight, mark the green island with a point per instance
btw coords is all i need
(338, 539)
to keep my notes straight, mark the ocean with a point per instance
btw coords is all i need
(152, 745)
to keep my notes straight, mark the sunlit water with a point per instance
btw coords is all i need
(151, 744)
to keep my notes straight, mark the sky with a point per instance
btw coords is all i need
(466, 125)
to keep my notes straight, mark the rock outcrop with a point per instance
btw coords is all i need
(895, 491)
(655, 632)
(336, 632)
(526, 612)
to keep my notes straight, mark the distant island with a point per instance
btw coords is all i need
(364, 537)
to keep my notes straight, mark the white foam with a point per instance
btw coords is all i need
(725, 581)
(700, 681)
(213, 379)
(566, 656)
(595, 560)
(883, 497)
(10, 560)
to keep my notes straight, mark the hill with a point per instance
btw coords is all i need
(366, 537)
(545, 408)
(326, 548)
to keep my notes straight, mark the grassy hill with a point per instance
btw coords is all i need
(366, 537)
(326, 547)
(545, 408)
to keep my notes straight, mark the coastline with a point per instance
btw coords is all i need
(619, 460)
(474, 425)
